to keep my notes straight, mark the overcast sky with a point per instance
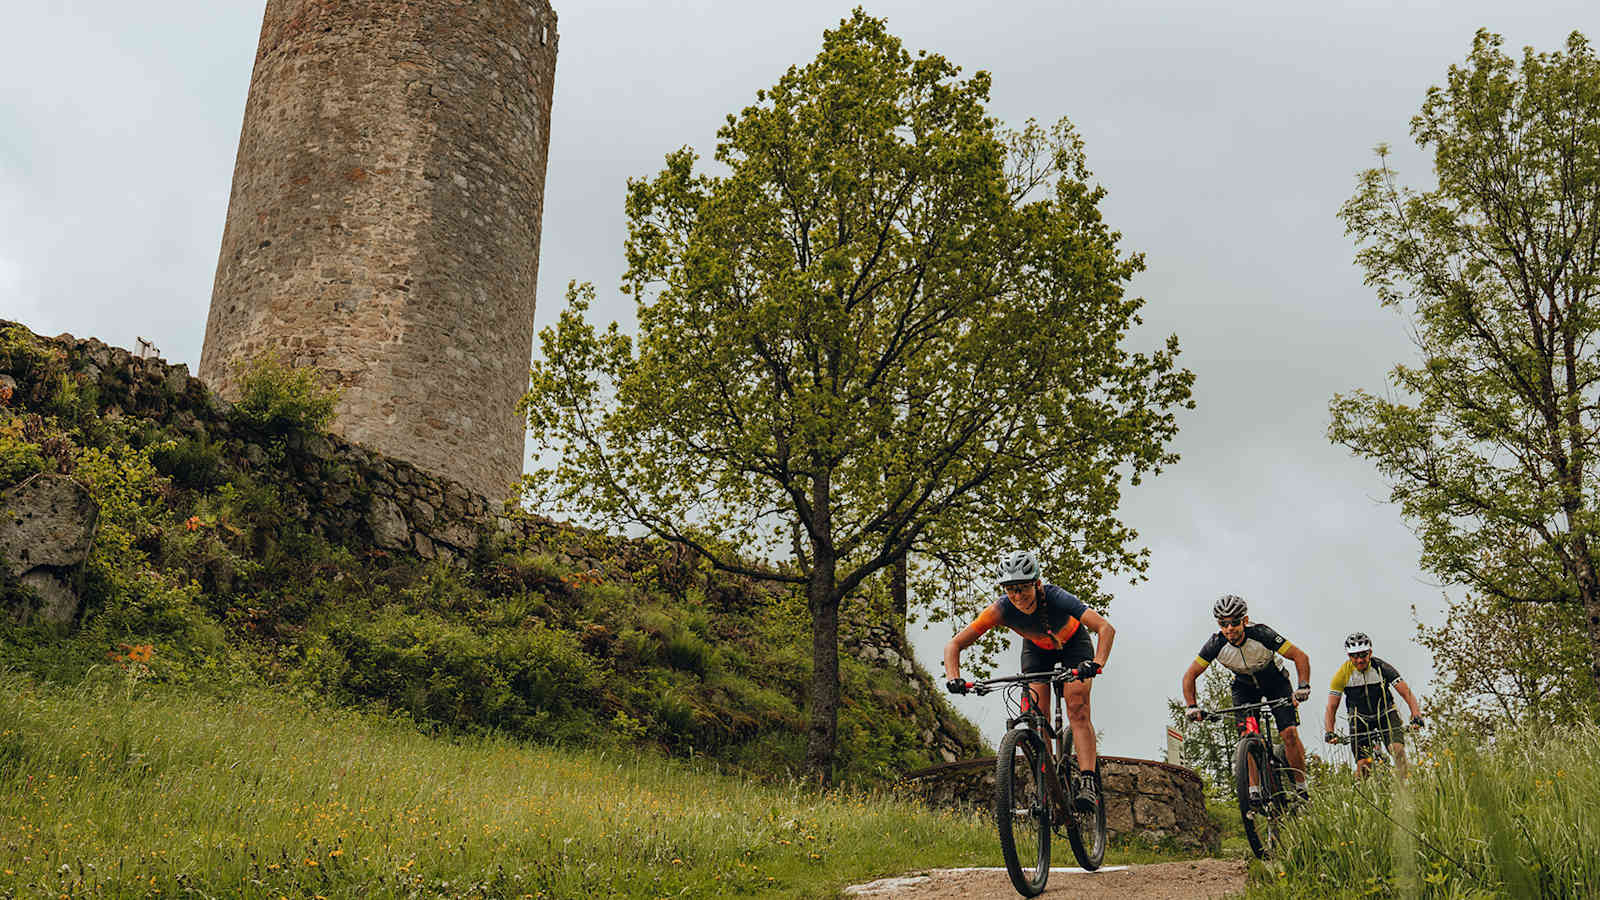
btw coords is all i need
(1227, 136)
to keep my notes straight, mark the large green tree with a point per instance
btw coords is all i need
(1490, 443)
(880, 325)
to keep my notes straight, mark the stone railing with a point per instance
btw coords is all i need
(1153, 800)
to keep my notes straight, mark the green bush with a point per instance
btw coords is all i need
(191, 462)
(279, 399)
(534, 682)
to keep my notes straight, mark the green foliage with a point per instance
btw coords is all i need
(134, 790)
(1492, 445)
(1208, 746)
(280, 399)
(1489, 676)
(535, 682)
(1513, 818)
(829, 337)
(19, 457)
(191, 462)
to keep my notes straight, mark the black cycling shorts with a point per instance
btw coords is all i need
(1271, 683)
(1364, 733)
(1077, 649)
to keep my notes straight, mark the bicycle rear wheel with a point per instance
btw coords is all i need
(1259, 812)
(1022, 810)
(1086, 831)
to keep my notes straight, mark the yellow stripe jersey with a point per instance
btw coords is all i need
(1366, 694)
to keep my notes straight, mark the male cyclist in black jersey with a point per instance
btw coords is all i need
(1364, 682)
(1048, 619)
(1251, 651)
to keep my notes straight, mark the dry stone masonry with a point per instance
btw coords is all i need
(1153, 800)
(385, 217)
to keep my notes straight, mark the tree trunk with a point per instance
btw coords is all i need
(823, 736)
(897, 588)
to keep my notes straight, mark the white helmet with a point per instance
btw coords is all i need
(1016, 567)
(1358, 642)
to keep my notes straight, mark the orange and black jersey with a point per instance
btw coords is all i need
(1049, 626)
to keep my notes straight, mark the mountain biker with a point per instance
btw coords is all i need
(1364, 681)
(1251, 651)
(1048, 619)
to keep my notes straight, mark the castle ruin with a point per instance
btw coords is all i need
(384, 221)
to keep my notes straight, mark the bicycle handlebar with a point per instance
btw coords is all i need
(1264, 704)
(1054, 676)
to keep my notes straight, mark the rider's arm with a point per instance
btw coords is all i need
(1410, 698)
(964, 639)
(1104, 632)
(1328, 717)
(1189, 676)
(1302, 662)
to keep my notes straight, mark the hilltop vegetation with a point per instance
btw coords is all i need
(206, 569)
(114, 788)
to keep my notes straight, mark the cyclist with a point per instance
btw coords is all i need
(1054, 626)
(1251, 651)
(1364, 681)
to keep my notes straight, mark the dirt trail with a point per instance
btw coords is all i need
(1160, 881)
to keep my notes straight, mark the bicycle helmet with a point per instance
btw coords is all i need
(1229, 606)
(1358, 642)
(1016, 567)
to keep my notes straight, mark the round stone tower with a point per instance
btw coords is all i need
(384, 221)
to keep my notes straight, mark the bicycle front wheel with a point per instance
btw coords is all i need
(1022, 809)
(1086, 831)
(1256, 807)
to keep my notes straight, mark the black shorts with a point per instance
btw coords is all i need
(1077, 649)
(1364, 733)
(1271, 683)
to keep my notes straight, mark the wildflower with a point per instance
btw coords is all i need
(193, 523)
(311, 862)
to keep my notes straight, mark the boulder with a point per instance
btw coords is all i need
(47, 526)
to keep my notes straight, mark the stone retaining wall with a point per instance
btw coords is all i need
(1154, 800)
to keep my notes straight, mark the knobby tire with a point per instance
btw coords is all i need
(1022, 810)
(1090, 853)
(1261, 817)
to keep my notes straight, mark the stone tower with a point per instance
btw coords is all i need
(384, 221)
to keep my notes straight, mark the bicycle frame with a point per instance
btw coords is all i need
(1020, 711)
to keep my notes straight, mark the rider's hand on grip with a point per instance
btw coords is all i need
(1195, 714)
(1089, 669)
(1416, 722)
(1330, 738)
(1302, 693)
(957, 686)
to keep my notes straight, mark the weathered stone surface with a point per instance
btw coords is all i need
(1151, 799)
(389, 528)
(58, 602)
(48, 520)
(385, 219)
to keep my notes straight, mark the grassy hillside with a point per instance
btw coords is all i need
(114, 788)
(1518, 819)
(209, 567)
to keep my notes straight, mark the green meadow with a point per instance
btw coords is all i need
(1517, 816)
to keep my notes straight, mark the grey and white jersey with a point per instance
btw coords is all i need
(1260, 650)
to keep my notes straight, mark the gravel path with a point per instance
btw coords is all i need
(1160, 881)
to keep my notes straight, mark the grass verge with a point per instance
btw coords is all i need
(119, 789)
(1517, 818)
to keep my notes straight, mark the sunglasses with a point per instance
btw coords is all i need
(1229, 623)
(1362, 655)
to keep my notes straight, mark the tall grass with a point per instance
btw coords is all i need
(112, 790)
(1518, 818)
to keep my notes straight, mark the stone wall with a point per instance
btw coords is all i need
(384, 221)
(1153, 800)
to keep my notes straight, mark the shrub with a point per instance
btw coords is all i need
(534, 682)
(279, 399)
(191, 462)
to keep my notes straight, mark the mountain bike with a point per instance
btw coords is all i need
(1032, 783)
(1370, 736)
(1262, 777)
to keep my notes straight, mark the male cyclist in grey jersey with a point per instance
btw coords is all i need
(1251, 651)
